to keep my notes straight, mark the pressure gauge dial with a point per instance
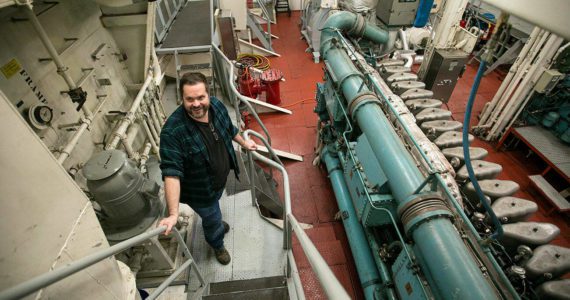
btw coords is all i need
(40, 116)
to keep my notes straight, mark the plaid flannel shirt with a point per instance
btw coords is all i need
(184, 154)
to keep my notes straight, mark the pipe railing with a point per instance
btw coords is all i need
(331, 286)
(30, 286)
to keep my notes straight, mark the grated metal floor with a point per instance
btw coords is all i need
(549, 145)
(254, 245)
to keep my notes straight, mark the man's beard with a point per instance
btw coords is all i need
(198, 113)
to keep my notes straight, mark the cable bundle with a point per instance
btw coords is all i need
(257, 61)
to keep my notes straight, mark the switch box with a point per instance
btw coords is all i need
(397, 12)
(443, 72)
(547, 81)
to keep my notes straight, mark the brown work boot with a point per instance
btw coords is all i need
(223, 256)
(226, 227)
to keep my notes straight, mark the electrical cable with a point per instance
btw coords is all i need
(254, 60)
(295, 103)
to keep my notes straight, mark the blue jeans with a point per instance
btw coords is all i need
(212, 222)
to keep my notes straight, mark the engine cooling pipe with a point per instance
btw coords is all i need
(444, 259)
(368, 274)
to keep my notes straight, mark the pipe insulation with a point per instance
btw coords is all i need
(437, 242)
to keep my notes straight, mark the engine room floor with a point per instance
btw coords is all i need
(312, 198)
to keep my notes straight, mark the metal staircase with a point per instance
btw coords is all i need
(267, 288)
(283, 6)
(257, 29)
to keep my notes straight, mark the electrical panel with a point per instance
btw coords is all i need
(443, 72)
(547, 81)
(397, 12)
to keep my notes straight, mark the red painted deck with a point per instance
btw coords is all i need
(311, 194)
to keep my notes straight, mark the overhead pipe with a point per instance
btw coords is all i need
(426, 219)
(406, 53)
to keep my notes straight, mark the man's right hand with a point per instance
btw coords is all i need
(169, 222)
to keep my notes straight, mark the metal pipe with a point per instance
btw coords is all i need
(147, 120)
(128, 148)
(367, 273)
(331, 286)
(525, 92)
(61, 68)
(154, 117)
(130, 116)
(526, 85)
(520, 73)
(169, 280)
(144, 157)
(512, 71)
(295, 275)
(463, 280)
(46, 279)
(150, 137)
(281, 168)
(62, 71)
(85, 122)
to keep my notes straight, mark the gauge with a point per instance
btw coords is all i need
(40, 116)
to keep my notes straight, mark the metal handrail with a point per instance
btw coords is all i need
(332, 287)
(41, 281)
(241, 98)
(268, 19)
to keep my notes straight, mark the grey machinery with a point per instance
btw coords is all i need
(443, 72)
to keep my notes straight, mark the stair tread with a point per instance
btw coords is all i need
(331, 251)
(259, 294)
(247, 284)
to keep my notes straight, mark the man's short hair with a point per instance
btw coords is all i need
(192, 78)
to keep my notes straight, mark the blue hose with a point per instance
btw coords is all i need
(498, 227)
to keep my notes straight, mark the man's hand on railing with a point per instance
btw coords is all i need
(169, 222)
(246, 144)
(250, 145)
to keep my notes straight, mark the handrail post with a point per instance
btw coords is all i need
(251, 177)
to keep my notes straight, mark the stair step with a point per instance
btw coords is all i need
(267, 201)
(260, 294)
(261, 181)
(331, 251)
(318, 234)
(247, 284)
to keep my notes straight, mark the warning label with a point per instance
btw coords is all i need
(11, 68)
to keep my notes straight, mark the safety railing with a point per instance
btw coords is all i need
(267, 18)
(331, 286)
(30, 286)
(236, 98)
(328, 281)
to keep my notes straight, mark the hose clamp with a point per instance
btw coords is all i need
(358, 27)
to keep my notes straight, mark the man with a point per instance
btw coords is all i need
(196, 157)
